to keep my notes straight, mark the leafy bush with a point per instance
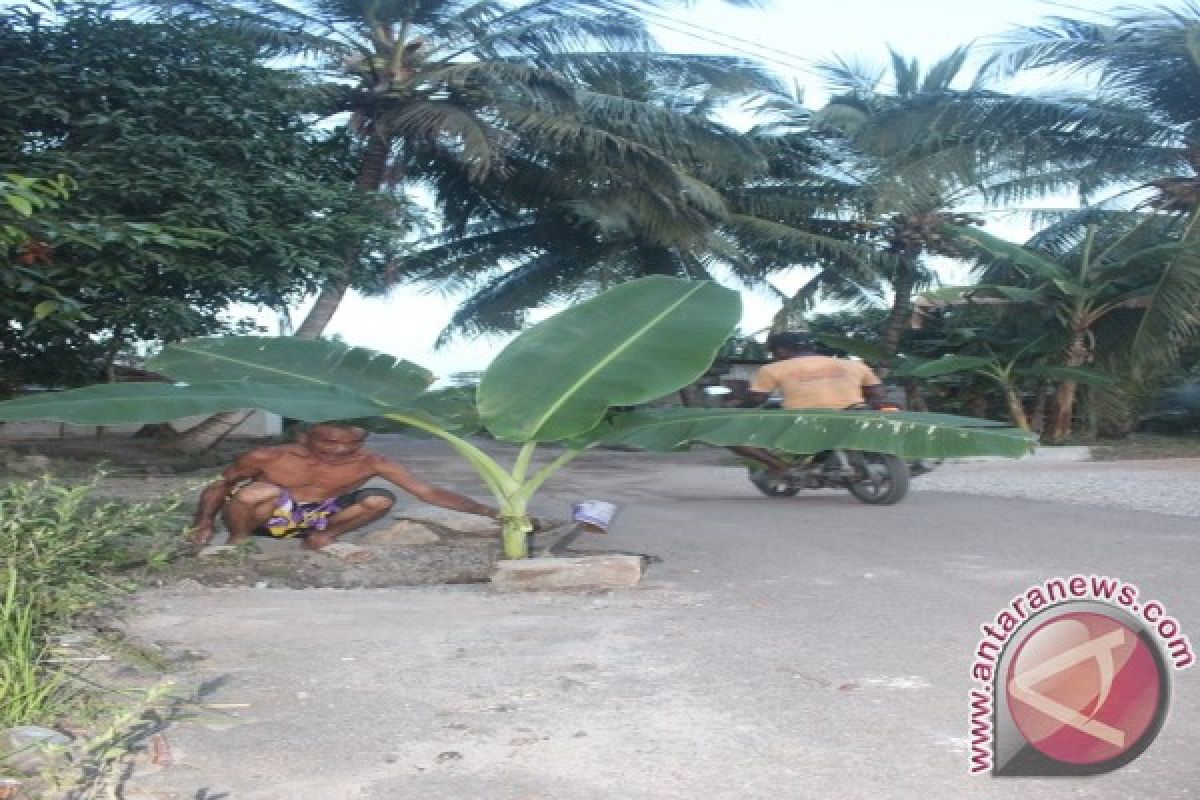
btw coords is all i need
(62, 548)
(65, 545)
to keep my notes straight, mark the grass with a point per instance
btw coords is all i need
(28, 691)
(63, 552)
(67, 548)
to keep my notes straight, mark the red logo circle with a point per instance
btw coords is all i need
(1084, 688)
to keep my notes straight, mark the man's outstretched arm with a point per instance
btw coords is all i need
(428, 493)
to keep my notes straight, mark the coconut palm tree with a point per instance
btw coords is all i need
(802, 210)
(1137, 133)
(908, 171)
(469, 83)
(1108, 272)
(469, 80)
(559, 226)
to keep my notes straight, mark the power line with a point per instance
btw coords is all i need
(741, 52)
(792, 60)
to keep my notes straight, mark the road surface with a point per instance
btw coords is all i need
(812, 647)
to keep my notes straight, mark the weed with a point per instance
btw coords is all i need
(28, 693)
(66, 546)
(61, 551)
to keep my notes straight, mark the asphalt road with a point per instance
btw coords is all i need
(812, 647)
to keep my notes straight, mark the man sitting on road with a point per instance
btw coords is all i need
(312, 490)
(806, 379)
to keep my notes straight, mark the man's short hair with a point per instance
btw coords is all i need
(793, 341)
(349, 426)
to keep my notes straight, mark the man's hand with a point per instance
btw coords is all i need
(201, 535)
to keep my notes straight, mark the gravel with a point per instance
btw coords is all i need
(1170, 486)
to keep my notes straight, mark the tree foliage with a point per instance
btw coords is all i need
(197, 182)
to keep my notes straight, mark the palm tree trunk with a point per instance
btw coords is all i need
(323, 309)
(900, 317)
(208, 433)
(1064, 410)
(370, 178)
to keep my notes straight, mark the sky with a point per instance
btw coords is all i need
(789, 35)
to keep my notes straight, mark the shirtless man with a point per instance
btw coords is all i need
(312, 490)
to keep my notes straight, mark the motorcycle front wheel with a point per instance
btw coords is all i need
(882, 479)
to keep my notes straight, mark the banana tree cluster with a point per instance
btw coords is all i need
(556, 383)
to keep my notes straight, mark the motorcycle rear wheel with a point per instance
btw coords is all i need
(772, 486)
(888, 481)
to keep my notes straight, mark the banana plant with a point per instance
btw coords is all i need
(1084, 279)
(1007, 372)
(557, 382)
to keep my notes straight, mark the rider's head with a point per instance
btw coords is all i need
(789, 344)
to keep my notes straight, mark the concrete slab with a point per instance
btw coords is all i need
(584, 572)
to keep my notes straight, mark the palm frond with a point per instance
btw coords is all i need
(1172, 317)
(1029, 262)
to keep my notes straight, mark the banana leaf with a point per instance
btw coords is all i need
(127, 403)
(953, 295)
(636, 342)
(453, 408)
(904, 434)
(1028, 261)
(944, 366)
(289, 361)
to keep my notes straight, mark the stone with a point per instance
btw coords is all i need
(217, 551)
(458, 521)
(73, 639)
(583, 572)
(404, 532)
(30, 749)
(347, 552)
(136, 793)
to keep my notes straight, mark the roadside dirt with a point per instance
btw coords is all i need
(128, 469)
(132, 469)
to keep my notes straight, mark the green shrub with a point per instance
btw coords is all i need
(61, 550)
(66, 546)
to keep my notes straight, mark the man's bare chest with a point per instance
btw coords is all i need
(297, 472)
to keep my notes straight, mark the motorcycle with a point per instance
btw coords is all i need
(873, 478)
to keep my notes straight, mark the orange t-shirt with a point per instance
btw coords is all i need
(815, 381)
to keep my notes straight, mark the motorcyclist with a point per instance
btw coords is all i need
(806, 379)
